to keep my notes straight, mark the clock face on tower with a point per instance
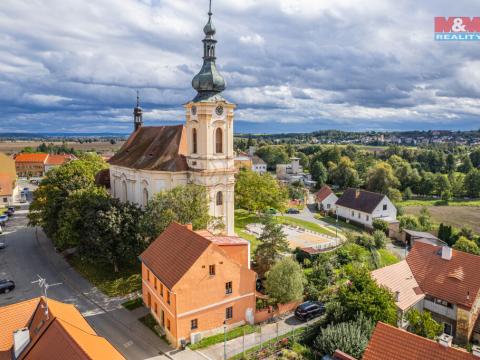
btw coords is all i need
(219, 110)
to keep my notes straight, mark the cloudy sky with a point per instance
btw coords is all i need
(291, 65)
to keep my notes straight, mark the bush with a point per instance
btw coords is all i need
(380, 239)
(422, 324)
(379, 224)
(350, 337)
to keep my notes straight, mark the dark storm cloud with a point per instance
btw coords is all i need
(67, 65)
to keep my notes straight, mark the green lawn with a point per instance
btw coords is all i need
(438, 202)
(305, 224)
(242, 219)
(232, 334)
(126, 281)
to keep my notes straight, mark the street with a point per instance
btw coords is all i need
(29, 254)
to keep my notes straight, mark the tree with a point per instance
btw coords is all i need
(409, 222)
(319, 173)
(472, 183)
(285, 281)
(380, 239)
(394, 195)
(255, 192)
(55, 188)
(273, 243)
(183, 204)
(379, 224)
(451, 163)
(114, 237)
(468, 246)
(445, 233)
(78, 214)
(344, 174)
(351, 337)
(422, 324)
(408, 194)
(381, 178)
(273, 155)
(425, 220)
(466, 165)
(361, 294)
(442, 184)
(475, 157)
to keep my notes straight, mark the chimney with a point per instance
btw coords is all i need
(21, 339)
(446, 253)
(476, 350)
(189, 226)
(397, 296)
(445, 340)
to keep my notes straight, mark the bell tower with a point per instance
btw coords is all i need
(209, 127)
(137, 114)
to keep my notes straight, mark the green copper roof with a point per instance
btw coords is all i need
(208, 81)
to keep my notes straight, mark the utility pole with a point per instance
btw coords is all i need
(225, 340)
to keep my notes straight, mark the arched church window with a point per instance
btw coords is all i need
(145, 197)
(124, 191)
(219, 198)
(194, 141)
(219, 141)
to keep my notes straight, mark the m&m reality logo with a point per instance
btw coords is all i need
(457, 28)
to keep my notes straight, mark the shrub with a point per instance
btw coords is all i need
(379, 224)
(380, 239)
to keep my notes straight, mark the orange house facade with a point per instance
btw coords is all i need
(195, 283)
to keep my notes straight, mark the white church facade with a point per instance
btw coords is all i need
(200, 152)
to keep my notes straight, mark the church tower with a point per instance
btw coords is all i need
(137, 114)
(209, 130)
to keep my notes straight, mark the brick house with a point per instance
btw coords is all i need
(441, 280)
(30, 165)
(195, 282)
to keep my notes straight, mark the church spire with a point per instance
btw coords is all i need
(138, 114)
(208, 81)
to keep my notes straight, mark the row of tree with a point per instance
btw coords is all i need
(75, 213)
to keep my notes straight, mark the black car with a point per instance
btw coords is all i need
(293, 211)
(11, 209)
(2, 246)
(309, 310)
(6, 286)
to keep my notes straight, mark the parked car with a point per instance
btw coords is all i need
(271, 211)
(26, 189)
(1, 230)
(309, 310)
(3, 219)
(6, 286)
(293, 211)
(9, 212)
(12, 209)
(2, 245)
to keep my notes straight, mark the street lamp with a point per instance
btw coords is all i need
(225, 340)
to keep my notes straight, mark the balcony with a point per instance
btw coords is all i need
(451, 313)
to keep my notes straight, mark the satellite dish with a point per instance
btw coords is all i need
(250, 316)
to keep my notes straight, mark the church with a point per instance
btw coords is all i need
(157, 158)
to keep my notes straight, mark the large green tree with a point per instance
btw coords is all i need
(56, 187)
(319, 173)
(273, 155)
(273, 244)
(472, 183)
(344, 174)
(255, 192)
(183, 204)
(285, 281)
(381, 178)
(361, 294)
(468, 246)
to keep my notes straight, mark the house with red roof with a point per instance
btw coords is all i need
(30, 165)
(195, 283)
(390, 343)
(441, 280)
(325, 199)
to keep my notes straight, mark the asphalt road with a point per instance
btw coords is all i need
(29, 253)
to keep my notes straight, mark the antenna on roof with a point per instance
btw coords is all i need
(42, 283)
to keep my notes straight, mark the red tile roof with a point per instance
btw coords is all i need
(26, 157)
(173, 253)
(64, 335)
(323, 193)
(455, 280)
(391, 343)
(340, 355)
(159, 148)
(58, 159)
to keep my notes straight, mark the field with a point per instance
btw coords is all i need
(457, 216)
(11, 147)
